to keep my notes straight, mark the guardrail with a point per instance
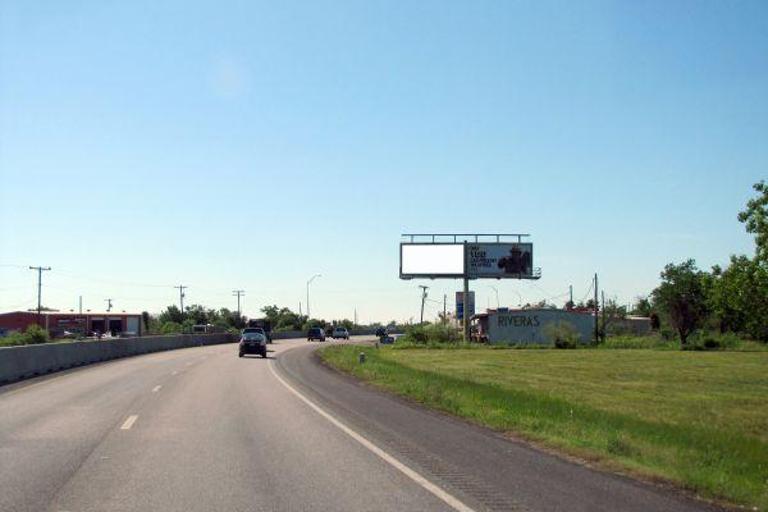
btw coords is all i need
(21, 362)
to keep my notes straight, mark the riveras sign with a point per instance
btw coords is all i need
(529, 326)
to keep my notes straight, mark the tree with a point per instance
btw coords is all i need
(682, 295)
(171, 314)
(642, 307)
(755, 219)
(739, 297)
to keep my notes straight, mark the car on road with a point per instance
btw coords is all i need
(257, 330)
(253, 343)
(315, 333)
(340, 333)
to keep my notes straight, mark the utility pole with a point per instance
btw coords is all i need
(238, 294)
(308, 283)
(181, 288)
(597, 328)
(300, 309)
(423, 299)
(355, 317)
(465, 317)
(81, 304)
(39, 289)
(570, 294)
(109, 304)
(445, 310)
(603, 307)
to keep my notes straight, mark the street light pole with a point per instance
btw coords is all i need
(497, 294)
(308, 283)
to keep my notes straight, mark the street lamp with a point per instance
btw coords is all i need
(308, 283)
(497, 294)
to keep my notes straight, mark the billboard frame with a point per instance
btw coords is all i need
(464, 239)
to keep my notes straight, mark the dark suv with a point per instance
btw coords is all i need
(253, 343)
(315, 333)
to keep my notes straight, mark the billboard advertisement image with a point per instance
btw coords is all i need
(500, 260)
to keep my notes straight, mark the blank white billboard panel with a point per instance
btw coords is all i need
(431, 260)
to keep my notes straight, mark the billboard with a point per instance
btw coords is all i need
(500, 260)
(431, 260)
(460, 305)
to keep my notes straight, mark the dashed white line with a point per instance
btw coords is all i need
(442, 494)
(129, 422)
(156, 389)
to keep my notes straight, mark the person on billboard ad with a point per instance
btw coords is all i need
(518, 262)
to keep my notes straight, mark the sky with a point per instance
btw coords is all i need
(251, 145)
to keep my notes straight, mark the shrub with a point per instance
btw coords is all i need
(430, 334)
(32, 335)
(171, 328)
(707, 340)
(562, 334)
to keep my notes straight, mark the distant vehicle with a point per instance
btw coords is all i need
(253, 343)
(265, 324)
(257, 330)
(315, 333)
(381, 332)
(340, 333)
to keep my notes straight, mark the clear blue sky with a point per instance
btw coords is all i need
(252, 144)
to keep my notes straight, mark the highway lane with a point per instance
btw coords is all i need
(199, 429)
(220, 433)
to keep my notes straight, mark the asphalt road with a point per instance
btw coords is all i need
(201, 430)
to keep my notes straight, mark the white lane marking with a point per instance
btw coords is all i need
(448, 498)
(156, 389)
(129, 422)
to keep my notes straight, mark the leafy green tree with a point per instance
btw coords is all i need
(642, 307)
(171, 314)
(682, 295)
(755, 219)
(739, 297)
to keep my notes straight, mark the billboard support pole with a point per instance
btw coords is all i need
(465, 313)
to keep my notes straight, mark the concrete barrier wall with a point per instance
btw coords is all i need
(26, 361)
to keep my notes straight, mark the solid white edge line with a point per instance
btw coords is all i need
(448, 498)
(129, 422)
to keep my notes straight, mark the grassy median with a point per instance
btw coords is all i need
(699, 419)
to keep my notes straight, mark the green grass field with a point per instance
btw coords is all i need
(699, 419)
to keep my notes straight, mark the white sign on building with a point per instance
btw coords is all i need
(529, 326)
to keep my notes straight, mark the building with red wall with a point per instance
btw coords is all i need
(84, 324)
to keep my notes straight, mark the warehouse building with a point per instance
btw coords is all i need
(528, 326)
(82, 324)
